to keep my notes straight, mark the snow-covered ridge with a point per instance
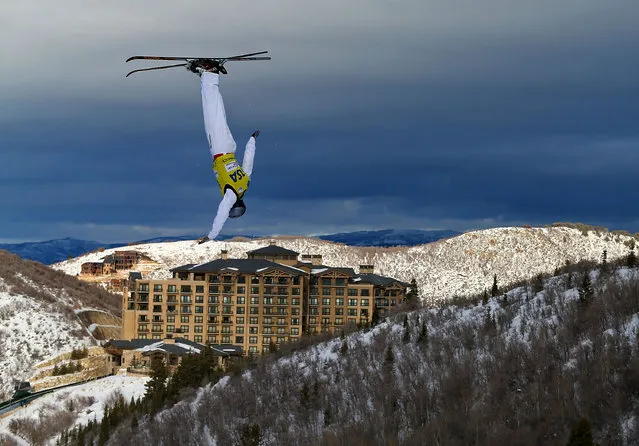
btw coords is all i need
(462, 265)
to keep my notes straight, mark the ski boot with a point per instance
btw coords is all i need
(198, 66)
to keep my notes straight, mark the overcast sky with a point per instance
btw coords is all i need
(431, 114)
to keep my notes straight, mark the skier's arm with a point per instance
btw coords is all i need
(249, 154)
(222, 213)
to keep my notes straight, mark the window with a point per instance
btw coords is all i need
(157, 298)
(252, 339)
(266, 340)
(227, 310)
(197, 329)
(241, 300)
(268, 301)
(365, 292)
(214, 278)
(199, 288)
(214, 310)
(211, 339)
(339, 311)
(352, 302)
(268, 321)
(326, 321)
(340, 281)
(197, 338)
(239, 320)
(228, 279)
(255, 290)
(170, 319)
(239, 330)
(212, 320)
(156, 336)
(326, 301)
(239, 339)
(364, 302)
(172, 288)
(241, 279)
(313, 311)
(282, 301)
(199, 309)
(295, 321)
(170, 328)
(185, 289)
(267, 330)
(282, 291)
(240, 310)
(157, 308)
(280, 340)
(252, 349)
(199, 299)
(253, 320)
(295, 311)
(214, 299)
(255, 280)
(295, 331)
(295, 291)
(326, 291)
(314, 291)
(339, 302)
(255, 310)
(326, 310)
(212, 329)
(226, 339)
(184, 328)
(227, 300)
(241, 290)
(185, 299)
(295, 301)
(185, 308)
(314, 301)
(327, 281)
(198, 319)
(184, 319)
(255, 300)
(143, 287)
(214, 289)
(226, 329)
(339, 321)
(339, 291)
(228, 289)
(352, 311)
(352, 291)
(253, 330)
(157, 288)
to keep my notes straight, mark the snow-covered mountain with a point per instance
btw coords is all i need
(522, 368)
(38, 315)
(53, 251)
(462, 265)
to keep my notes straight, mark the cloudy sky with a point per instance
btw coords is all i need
(432, 114)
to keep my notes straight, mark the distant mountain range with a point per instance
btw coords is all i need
(53, 251)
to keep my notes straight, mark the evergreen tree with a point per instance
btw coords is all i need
(328, 417)
(423, 334)
(495, 289)
(344, 348)
(375, 316)
(604, 261)
(586, 291)
(412, 296)
(250, 435)
(484, 299)
(156, 386)
(538, 284)
(581, 434)
(631, 260)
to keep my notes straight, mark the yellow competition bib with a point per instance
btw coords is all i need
(229, 174)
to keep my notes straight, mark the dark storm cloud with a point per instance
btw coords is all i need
(373, 114)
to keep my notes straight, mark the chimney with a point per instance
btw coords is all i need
(224, 254)
(316, 259)
(307, 258)
(271, 242)
(366, 269)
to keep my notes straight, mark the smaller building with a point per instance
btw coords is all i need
(136, 355)
(118, 261)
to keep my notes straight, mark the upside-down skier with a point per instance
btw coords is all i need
(233, 179)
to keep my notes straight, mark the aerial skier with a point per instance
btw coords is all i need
(233, 179)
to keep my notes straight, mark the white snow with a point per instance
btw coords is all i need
(462, 265)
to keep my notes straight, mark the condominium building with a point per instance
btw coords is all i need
(256, 303)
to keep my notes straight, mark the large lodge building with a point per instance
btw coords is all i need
(269, 298)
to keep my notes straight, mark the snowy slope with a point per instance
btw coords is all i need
(461, 265)
(31, 331)
(89, 401)
(530, 363)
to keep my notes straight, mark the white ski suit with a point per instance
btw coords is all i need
(221, 142)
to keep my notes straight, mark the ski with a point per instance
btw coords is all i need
(155, 68)
(219, 59)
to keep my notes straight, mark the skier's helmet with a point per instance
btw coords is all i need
(238, 209)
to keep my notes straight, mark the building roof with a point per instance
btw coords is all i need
(245, 266)
(179, 347)
(322, 269)
(135, 275)
(376, 279)
(273, 250)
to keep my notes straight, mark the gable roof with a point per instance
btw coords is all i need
(179, 347)
(376, 279)
(245, 266)
(322, 269)
(273, 250)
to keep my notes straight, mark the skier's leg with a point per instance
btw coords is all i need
(249, 154)
(217, 131)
